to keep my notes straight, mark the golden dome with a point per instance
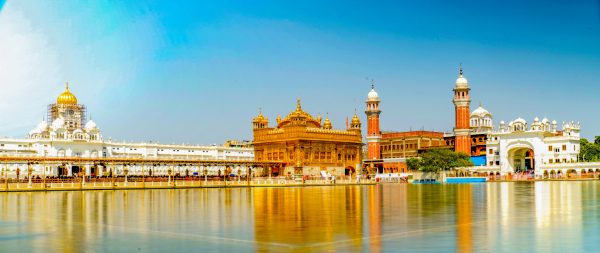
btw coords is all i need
(66, 98)
(299, 115)
(260, 117)
(355, 119)
(327, 123)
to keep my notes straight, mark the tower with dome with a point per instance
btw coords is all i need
(373, 131)
(462, 102)
(540, 147)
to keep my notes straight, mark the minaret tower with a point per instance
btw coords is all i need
(462, 102)
(373, 133)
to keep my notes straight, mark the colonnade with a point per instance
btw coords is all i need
(20, 167)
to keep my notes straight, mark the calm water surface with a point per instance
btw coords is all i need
(493, 217)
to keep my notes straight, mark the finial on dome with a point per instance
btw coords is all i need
(480, 104)
(372, 96)
(460, 69)
(67, 85)
(298, 106)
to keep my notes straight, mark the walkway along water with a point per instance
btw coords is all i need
(77, 184)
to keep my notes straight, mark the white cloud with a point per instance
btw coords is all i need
(27, 66)
(41, 47)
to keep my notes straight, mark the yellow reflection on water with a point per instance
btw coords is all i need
(314, 218)
(492, 217)
(464, 214)
(536, 216)
(558, 203)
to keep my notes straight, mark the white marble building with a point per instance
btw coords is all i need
(67, 133)
(520, 147)
(481, 121)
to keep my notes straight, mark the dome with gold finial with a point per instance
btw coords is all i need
(327, 123)
(299, 116)
(259, 117)
(355, 119)
(66, 98)
(260, 121)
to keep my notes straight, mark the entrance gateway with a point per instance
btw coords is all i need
(521, 160)
(520, 156)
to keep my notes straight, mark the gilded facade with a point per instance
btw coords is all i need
(308, 145)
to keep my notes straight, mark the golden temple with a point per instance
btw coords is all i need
(306, 146)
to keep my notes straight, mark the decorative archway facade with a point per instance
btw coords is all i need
(519, 148)
(520, 157)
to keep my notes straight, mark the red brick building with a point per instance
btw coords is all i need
(388, 151)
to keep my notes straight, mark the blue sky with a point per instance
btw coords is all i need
(197, 72)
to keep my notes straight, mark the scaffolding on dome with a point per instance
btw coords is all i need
(75, 116)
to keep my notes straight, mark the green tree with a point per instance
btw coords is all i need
(436, 160)
(413, 164)
(589, 151)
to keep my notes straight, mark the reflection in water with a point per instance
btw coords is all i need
(558, 203)
(374, 204)
(310, 218)
(464, 215)
(492, 217)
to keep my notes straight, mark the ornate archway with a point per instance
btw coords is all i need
(521, 157)
(521, 160)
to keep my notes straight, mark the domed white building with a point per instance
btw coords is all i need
(67, 133)
(539, 147)
(481, 120)
(68, 122)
